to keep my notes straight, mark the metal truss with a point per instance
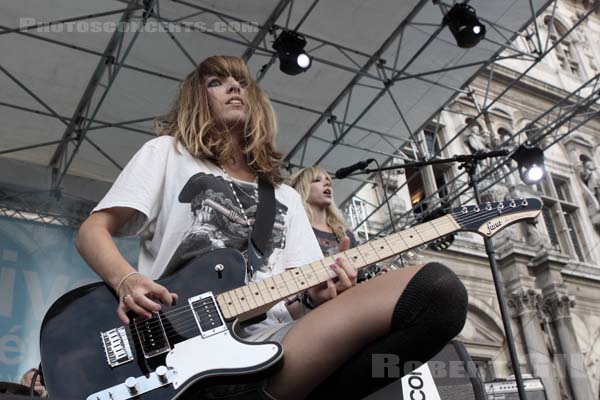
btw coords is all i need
(565, 113)
(108, 68)
(44, 206)
(553, 125)
(113, 59)
(389, 75)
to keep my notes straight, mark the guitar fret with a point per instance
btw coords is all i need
(398, 237)
(273, 287)
(435, 229)
(311, 276)
(324, 272)
(400, 249)
(355, 257)
(382, 246)
(249, 297)
(295, 280)
(299, 279)
(257, 294)
(265, 291)
(370, 253)
(238, 295)
(410, 239)
(416, 229)
(289, 279)
(327, 261)
(226, 309)
(282, 286)
(231, 302)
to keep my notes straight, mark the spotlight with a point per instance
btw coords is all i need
(464, 25)
(290, 51)
(530, 160)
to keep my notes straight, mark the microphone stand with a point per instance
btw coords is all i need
(469, 163)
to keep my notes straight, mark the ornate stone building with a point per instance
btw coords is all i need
(550, 268)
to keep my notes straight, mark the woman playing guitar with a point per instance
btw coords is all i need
(193, 190)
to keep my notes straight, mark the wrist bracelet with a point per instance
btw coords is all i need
(306, 301)
(294, 299)
(123, 280)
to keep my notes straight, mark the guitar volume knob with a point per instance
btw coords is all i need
(161, 373)
(132, 385)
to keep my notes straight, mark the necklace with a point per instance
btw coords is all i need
(255, 197)
(283, 232)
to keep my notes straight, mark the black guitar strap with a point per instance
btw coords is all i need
(263, 226)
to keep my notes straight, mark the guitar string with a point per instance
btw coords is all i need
(287, 281)
(180, 329)
(423, 229)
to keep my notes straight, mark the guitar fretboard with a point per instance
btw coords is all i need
(245, 299)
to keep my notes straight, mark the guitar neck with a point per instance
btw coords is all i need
(245, 300)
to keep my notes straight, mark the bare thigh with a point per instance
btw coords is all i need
(328, 336)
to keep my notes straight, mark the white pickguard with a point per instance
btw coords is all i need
(218, 352)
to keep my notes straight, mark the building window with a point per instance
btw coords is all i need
(560, 216)
(358, 213)
(565, 51)
(416, 186)
(547, 212)
(432, 140)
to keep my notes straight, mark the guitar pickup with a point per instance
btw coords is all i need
(152, 335)
(207, 314)
(116, 347)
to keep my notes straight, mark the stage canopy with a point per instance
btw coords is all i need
(82, 81)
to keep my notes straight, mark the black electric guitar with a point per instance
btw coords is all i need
(86, 354)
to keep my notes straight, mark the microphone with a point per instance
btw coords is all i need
(344, 172)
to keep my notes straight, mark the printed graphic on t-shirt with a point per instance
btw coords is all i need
(329, 242)
(329, 246)
(217, 220)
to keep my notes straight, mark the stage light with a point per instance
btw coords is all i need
(290, 51)
(464, 25)
(530, 160)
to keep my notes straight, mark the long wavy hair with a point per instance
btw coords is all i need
(301, 181)
(192, 123)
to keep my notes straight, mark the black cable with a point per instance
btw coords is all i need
(387, 201)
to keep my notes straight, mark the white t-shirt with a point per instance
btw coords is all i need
(187, 203)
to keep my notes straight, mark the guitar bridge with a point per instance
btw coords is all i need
(116, 347)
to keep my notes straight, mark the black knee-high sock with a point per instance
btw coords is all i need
(430, 312)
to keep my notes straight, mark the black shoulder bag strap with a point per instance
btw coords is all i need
(263, 225)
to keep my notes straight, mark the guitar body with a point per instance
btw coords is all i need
(87, 354)
(76, 356)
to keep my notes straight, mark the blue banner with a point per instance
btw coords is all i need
(38, 264)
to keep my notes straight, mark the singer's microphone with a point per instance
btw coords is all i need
(344, 172)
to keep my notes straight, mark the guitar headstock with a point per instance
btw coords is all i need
(488, 219)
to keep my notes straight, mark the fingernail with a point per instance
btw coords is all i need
(339, 259)
(333, 266)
